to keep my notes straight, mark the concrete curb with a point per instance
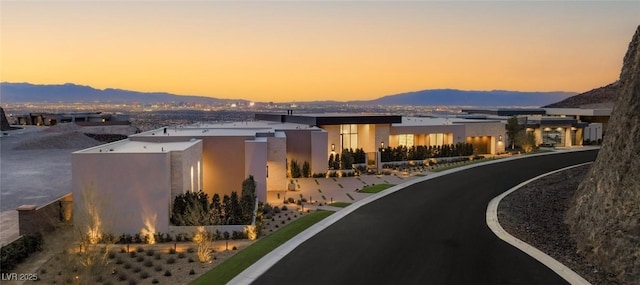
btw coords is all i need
(261, 266)
(492, 221)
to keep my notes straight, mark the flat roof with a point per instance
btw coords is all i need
(320, 119)
(240, 128)
(507, 111)
(439, 121)
(129, 146)
(579, 112)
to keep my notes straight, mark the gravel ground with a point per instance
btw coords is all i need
(535, 214)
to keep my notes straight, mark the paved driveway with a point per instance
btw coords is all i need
(432, 232)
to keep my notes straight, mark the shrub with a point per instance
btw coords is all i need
(192, 272)
(139, 249)
(133, 282)
(151, 252)
(111, 255)
(191, 250)
(276, 209)
(158, 268)
(144, 275)
(171, 260)
(148, 263)
(284, 208)
(191, 260)
(172, 251)
(118, 260)
(132, 254)
(167, 273)
(155, 281)
(181, 255)
(140, 259)
(137, 269)
(127, 266)
(158, 256)
(122, 277)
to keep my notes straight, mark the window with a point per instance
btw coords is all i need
(405, 140)
(349, 136)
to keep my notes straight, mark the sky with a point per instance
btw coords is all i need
(284, 51)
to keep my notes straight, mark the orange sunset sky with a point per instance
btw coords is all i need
(301, 50)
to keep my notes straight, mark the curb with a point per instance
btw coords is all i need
(254, 271)
(492, 221)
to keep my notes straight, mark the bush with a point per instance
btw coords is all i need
(122, 277)
(148, 263)
(284, 208)
(155, 281)
(137, 269)
(144, 275)
(192, 272)
(140, 259)
(15, 252)
(133, 282)
(172, 251)
(158, 256)
(167, 273)
(181, 255)
(158, 268)
(171, 260)
(139, 249)
(151, 252)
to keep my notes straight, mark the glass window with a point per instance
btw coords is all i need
(405, 140)
(349, 135)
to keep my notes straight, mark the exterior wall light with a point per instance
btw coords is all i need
(381, 144)
(500, 138)
(333, 147)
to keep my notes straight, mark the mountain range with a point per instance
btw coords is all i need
(12, 93)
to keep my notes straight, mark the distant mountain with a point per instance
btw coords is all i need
(453, 97)
(27, 92)
(602, 97)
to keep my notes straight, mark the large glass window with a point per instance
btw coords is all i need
(349, 135)
(405, 140)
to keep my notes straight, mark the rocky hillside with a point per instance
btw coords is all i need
(602, 97)
(604, 217)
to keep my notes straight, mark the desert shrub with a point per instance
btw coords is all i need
(158, 256)
(144, 275)
(139, 259)
(171, 260)
(172, 251)
(191, 250)
(167, 273)
(139, 249)
(127, 265)
(276, 209)
(284, 208)
(119, 260)
(133, 282)
(122, 277)
(155, 281)
(137, 269)
(158, 268)
(148, 263)
(181, 255)
(132, 254)
(111, 255)
(192, 272)
(150, 252)
(191, 260)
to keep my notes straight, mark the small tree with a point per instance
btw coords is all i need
(526, 141)
(306, 169)
(248, 199)
(331, 161)
(513, 128)
(204, 240)
(295, 169)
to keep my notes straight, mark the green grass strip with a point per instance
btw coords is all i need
(226, 271)
(340, 204)
(375, 188)
(350, 196)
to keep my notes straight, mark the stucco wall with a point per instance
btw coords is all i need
(277, 161)
(130, 188)
(492, 129)
(319, 152)
(256, 165)
(223, 164)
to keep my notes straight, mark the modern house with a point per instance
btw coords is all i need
(136, 179)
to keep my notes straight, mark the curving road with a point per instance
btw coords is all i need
(432, 232)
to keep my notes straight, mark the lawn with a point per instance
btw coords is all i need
(375, 188)
(226, 271)
(340, 204)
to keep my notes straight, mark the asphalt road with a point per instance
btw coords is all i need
(433, 232)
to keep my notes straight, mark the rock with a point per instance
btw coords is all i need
(604, 217)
